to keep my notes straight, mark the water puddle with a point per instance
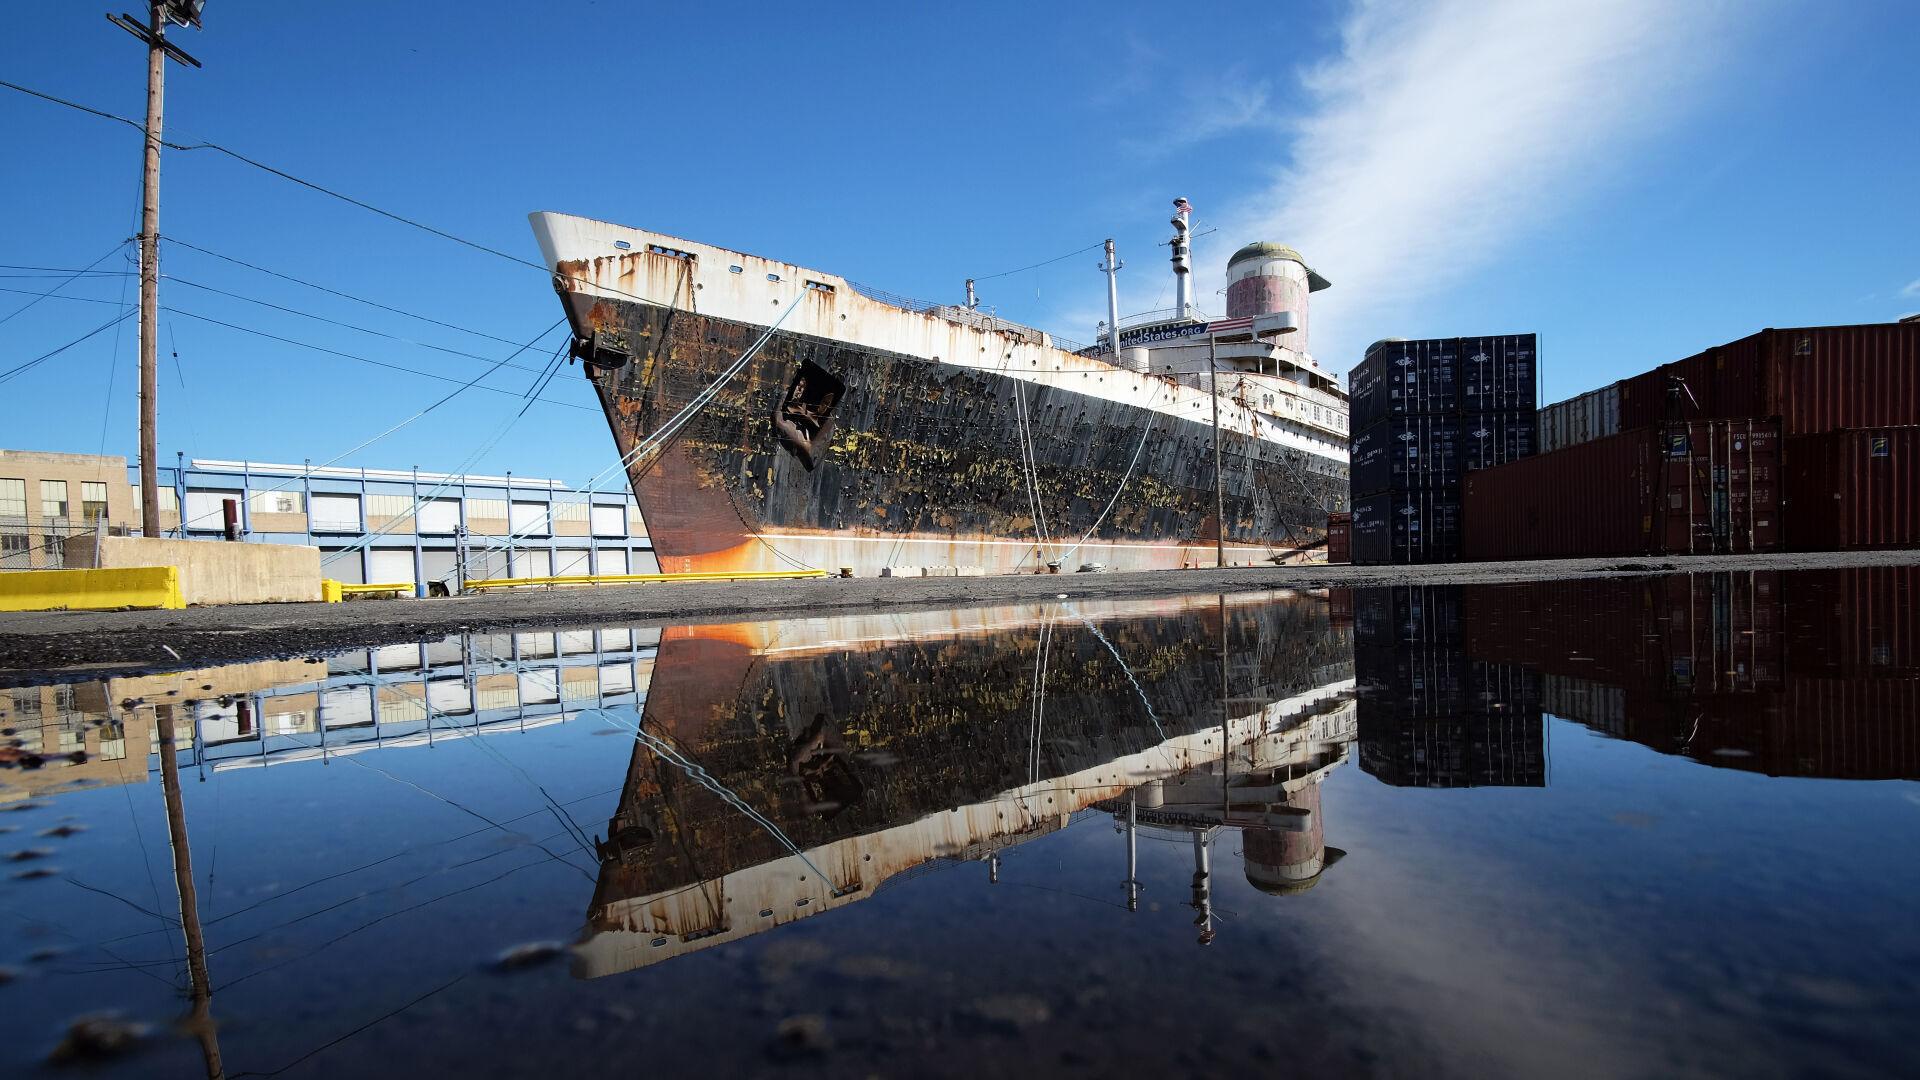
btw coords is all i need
(1656, 825)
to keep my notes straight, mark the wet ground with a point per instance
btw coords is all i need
(125, 642)
(1629, 826)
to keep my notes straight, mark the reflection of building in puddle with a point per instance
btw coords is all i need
(1809, 673)
(272, 712)
(780, 775)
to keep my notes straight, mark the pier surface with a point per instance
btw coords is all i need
(36, 646)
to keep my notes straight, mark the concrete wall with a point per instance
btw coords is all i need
(214, 571)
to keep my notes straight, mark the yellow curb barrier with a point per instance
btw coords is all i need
(638, 579)
(91, 590)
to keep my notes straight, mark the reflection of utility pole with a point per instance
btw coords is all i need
(159, 13)
(201, 1019)
(1219, 478)
(1133, 852)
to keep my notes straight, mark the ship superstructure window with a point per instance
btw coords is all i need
(736, 269)
(672, 253)
(819, 286)
(773, 277)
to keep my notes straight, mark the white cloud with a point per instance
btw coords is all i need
(1442, 133)
(1225, 103)
(1912, 289)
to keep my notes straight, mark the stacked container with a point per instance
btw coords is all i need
(1425, 414)
(1804, 439)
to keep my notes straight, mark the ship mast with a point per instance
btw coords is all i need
(1112, 269)
(1182, 262)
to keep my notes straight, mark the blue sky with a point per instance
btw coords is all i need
(1633, 180)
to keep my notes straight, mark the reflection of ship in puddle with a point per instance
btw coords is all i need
(785, 771)
(1809, 673)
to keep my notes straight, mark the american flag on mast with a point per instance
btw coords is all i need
(1182, 207)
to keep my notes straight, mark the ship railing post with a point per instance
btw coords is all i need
(1219, 477)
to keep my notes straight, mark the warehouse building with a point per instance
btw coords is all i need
(371, 525)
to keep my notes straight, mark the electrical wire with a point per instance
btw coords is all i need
(76, 275)
(174, 241)
(29, 365)
(1038, 265)
(282, 174)
(336, 322)
(353, 356)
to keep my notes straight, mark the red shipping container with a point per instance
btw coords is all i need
(1690, 488)
(1720, 488)
(1814, 378)
(1592, 498)
(1854, 489)
(1340, 538)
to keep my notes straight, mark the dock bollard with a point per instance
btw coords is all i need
(846, 571)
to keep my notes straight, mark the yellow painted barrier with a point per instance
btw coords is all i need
(376, 587)
(91, 590)
(641, 579)
(330, 591)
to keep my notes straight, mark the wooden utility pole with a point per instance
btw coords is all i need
(1219, 478)
(154, 33)
(150, 278)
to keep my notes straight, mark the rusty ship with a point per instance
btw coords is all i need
(775, 417)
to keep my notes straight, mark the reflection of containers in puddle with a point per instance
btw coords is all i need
(882, 746)
(1808, 673)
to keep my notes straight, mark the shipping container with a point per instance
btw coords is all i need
(1420, 453)
(1372, 535)
(1400, 378)
(1686, 488)
(1494, 438)
(1396, 527)
(1853, 489)
(1814, 378)
(1592, 415)
(1340, 537)
(1499, 374)
(1720, 488)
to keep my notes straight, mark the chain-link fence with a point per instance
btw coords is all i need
(42, 545)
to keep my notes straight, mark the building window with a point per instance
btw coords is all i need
(13, 498)
(93, 500)
(53, 498)
(169, 501)
(277, 502)
(336, 513)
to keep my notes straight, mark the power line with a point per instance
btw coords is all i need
(43, 357)
(282, 174)
(177, 242)
(70, 280)
(354, 356)
(347, 325)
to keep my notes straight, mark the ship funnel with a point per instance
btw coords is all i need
(1182, 257)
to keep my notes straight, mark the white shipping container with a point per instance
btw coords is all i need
(1592, 415)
